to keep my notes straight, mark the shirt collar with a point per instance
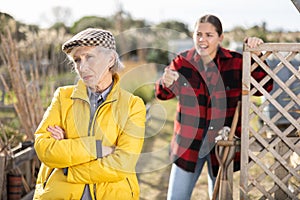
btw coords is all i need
(103, 94)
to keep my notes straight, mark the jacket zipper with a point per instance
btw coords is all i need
(95, 114)
(93, 133)
(94, 117)
(90, 123)
(89, 133)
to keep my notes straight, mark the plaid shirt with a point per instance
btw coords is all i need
(207, 98)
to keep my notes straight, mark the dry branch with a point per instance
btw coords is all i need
(28, 105)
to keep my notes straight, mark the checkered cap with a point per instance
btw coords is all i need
(90, 37)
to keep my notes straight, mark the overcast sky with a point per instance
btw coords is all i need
(278, 14)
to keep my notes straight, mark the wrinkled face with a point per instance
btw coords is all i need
(92, 64)
(206, 39)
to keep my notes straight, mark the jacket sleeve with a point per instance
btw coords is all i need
(115, 166)
(61, 153)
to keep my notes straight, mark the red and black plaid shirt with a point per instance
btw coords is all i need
(206, 102)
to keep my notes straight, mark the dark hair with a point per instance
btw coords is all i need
(215, 21)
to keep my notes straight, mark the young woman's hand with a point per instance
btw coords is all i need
(253, 42)
(169, 77)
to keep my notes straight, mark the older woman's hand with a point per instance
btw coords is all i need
(107, 150)
(56, 132)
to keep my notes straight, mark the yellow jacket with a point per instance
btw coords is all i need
(119, 122)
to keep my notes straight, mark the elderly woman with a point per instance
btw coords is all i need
(91, 135)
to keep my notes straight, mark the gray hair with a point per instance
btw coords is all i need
(117, 66)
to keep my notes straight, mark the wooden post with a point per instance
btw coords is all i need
(245, 122)
(2, 177)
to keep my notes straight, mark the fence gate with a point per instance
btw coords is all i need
(270, 162)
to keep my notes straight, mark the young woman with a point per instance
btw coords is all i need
(207, 80)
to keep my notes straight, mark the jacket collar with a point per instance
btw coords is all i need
(221, 54)
(80, 90)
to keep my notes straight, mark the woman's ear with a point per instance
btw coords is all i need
(221, 38)
(112, 60)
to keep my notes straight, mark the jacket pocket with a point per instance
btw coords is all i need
(124, 189)
(130, 187)
(47, 178)
(57, 187)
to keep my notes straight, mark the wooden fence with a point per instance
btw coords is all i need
(270, 166)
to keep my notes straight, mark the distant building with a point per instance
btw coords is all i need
(177, 46)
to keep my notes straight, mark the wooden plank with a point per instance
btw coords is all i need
(257, 147)
(20, 157)
(287, 64)
(273, 167)
(284, 47)
(281, 136)
(271, 174)
(258, 186)
(279, 81)
(278, 155)
(277, 105)
(245, 129)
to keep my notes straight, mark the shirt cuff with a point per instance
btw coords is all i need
(65, 170)
(99, 148)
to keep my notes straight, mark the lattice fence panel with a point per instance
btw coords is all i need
(270, 157)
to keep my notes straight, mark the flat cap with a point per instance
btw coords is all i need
(90, 37)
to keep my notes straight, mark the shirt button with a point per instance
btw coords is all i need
(211, 128)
